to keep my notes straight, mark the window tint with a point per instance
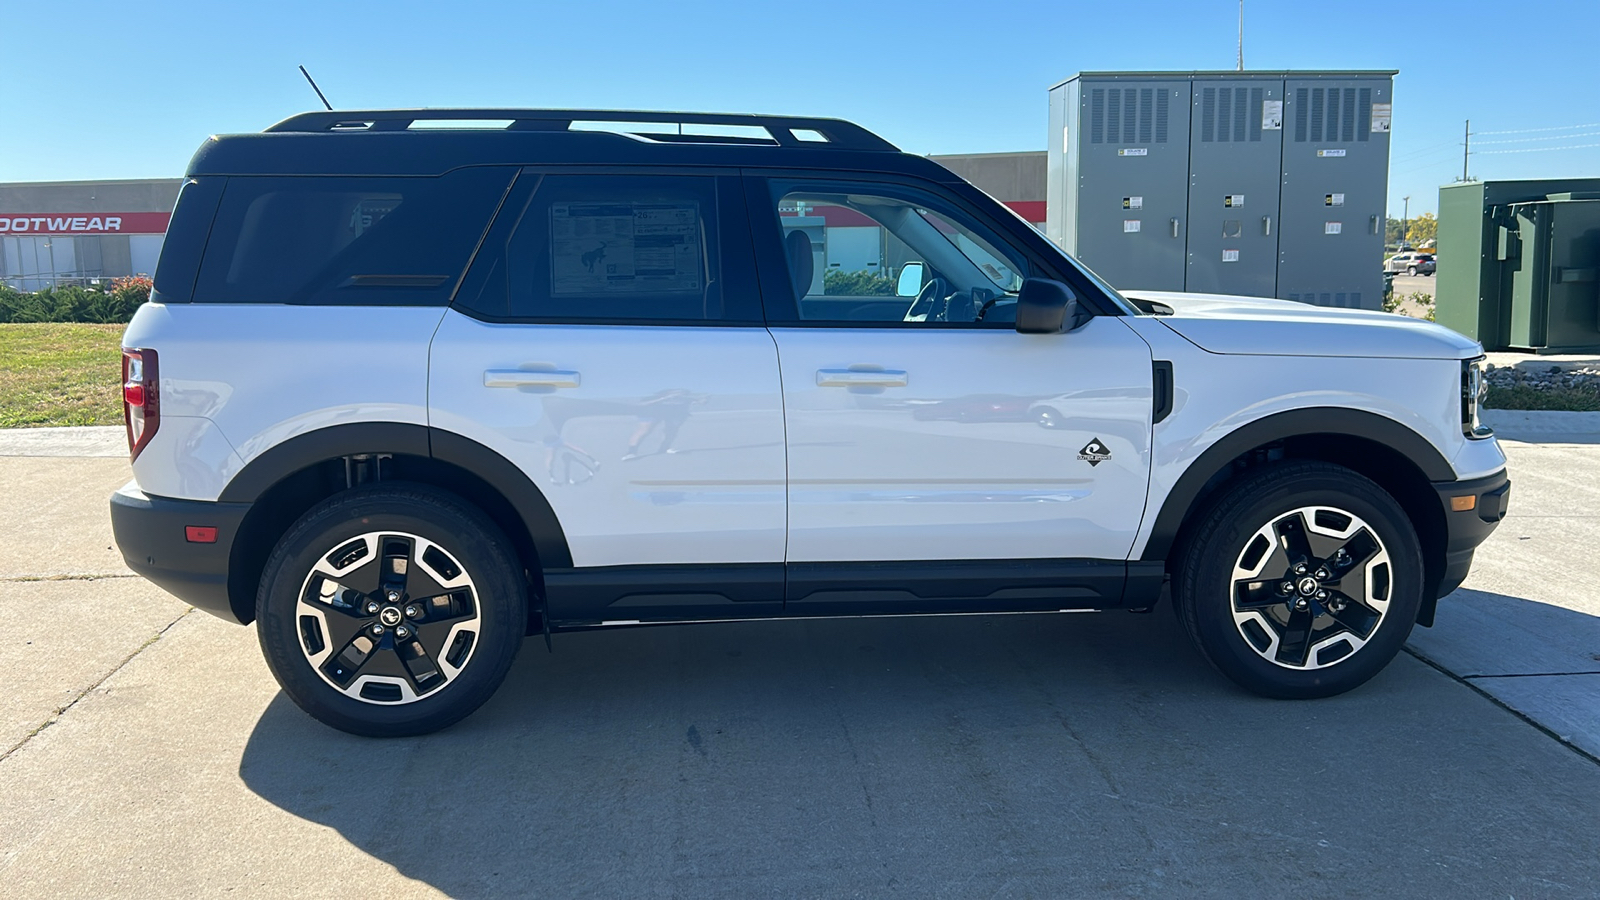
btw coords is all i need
(884, 253)
(610, 248)
(347, 241)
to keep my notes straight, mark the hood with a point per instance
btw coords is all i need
(1263, 327)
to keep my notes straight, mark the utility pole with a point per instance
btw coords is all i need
(1466, 145)
(1405, 224)
(1241, 35)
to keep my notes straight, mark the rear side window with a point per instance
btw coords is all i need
(339, 241)
(616, 248)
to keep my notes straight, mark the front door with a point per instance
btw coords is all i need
(922, 429)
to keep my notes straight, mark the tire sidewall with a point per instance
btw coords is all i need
(1211, 581)
(465, 535)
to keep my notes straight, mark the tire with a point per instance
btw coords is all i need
(446, 640)
(1411, 270)
(1249, 546)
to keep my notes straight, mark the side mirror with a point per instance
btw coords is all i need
(1047, 307)
(910, 283)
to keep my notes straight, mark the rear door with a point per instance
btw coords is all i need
(609, 342)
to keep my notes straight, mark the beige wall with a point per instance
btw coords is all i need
(1006, 177)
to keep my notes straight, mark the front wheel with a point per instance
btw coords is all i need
(391, 610)
(1411, 270)
(1303, 580)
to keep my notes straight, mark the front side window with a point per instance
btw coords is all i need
(883, 253)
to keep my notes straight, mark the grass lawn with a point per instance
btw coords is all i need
(55, 374)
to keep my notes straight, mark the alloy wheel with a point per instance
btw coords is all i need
(1311, 587)
(388, 618)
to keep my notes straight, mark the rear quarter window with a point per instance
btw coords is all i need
(347, 241)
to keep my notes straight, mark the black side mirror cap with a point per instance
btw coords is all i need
(1047, 307)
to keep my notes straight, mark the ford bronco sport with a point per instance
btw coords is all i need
(404, 395)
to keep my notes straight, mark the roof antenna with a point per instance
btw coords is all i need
(1240, 37)
(330, 105)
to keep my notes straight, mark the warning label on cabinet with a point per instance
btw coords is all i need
(1133, 203)
(1332, 227)
(1230, 256)
(1333, 200)
(1233, 200)
(607, 248)
(1272, 115)
(1331, 153)
(1382, 113)
(1129, 226)
(1134, 151)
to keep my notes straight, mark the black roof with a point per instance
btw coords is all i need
(412, 142)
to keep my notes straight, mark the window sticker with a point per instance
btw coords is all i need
(613, 248)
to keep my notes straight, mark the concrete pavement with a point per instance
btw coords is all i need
(1006, 756)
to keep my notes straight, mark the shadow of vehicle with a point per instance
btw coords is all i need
(1029, 755)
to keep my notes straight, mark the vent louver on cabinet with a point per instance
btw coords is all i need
(1301, 98)
(1208, 114)
(1317, 113)
(1256, 97)
(1349, 132)
(1128, 115)
(1364, 115)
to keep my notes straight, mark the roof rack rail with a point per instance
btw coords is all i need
(784, 131)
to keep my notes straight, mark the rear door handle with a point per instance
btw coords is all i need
(861, 378)
(511, 378)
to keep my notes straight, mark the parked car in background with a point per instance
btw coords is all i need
(1411, 263)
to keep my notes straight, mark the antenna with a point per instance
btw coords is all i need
(1240, 36)
(330, 105)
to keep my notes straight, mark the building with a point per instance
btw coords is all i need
(77, 232)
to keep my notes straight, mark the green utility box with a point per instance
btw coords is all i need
(1519, 263)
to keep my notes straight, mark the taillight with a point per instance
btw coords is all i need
(141, 398)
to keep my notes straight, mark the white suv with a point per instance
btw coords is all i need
(405, 395)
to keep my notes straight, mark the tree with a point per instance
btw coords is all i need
(1391, 231)
(1422, 227)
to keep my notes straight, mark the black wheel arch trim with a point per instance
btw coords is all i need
(314, 447)
(1281, 426)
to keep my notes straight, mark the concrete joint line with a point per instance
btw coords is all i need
(17, 579)
(1497, 702)
(1529, 675)
(56, 716)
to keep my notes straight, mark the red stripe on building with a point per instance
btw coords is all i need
(1032, 210)
(55, 224)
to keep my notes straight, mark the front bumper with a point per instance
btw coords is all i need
(150, 532)
(1465, 529)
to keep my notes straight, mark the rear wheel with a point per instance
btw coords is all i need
(391, 610)
(1303, 580)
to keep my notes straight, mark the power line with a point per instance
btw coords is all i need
(1534, 149)
(1550, 137)
(1552, 128)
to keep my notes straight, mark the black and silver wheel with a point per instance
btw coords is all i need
(1303, 580)
(391, 610)
(1411, 270)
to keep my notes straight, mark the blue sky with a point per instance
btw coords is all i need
(95, 90)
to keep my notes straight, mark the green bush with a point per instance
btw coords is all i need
(857, 284)
(115, 304)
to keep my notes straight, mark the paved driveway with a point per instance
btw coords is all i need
(1025, 756)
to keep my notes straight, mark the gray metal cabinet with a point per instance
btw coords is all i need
(1335, 187)
(1235, 145)
(1269, 184)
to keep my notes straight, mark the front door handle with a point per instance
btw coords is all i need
(861, 378)
(512, 378)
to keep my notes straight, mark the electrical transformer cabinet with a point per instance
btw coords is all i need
(1268, 184)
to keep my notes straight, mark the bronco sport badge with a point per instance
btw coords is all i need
(1094, 453)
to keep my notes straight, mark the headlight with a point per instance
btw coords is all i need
(1473, 388)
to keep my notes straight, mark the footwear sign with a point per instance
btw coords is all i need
(1094, 453)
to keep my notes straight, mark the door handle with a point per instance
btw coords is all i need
(1174, 227)
(513, 378)
(1266, 226)
(861, 378)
